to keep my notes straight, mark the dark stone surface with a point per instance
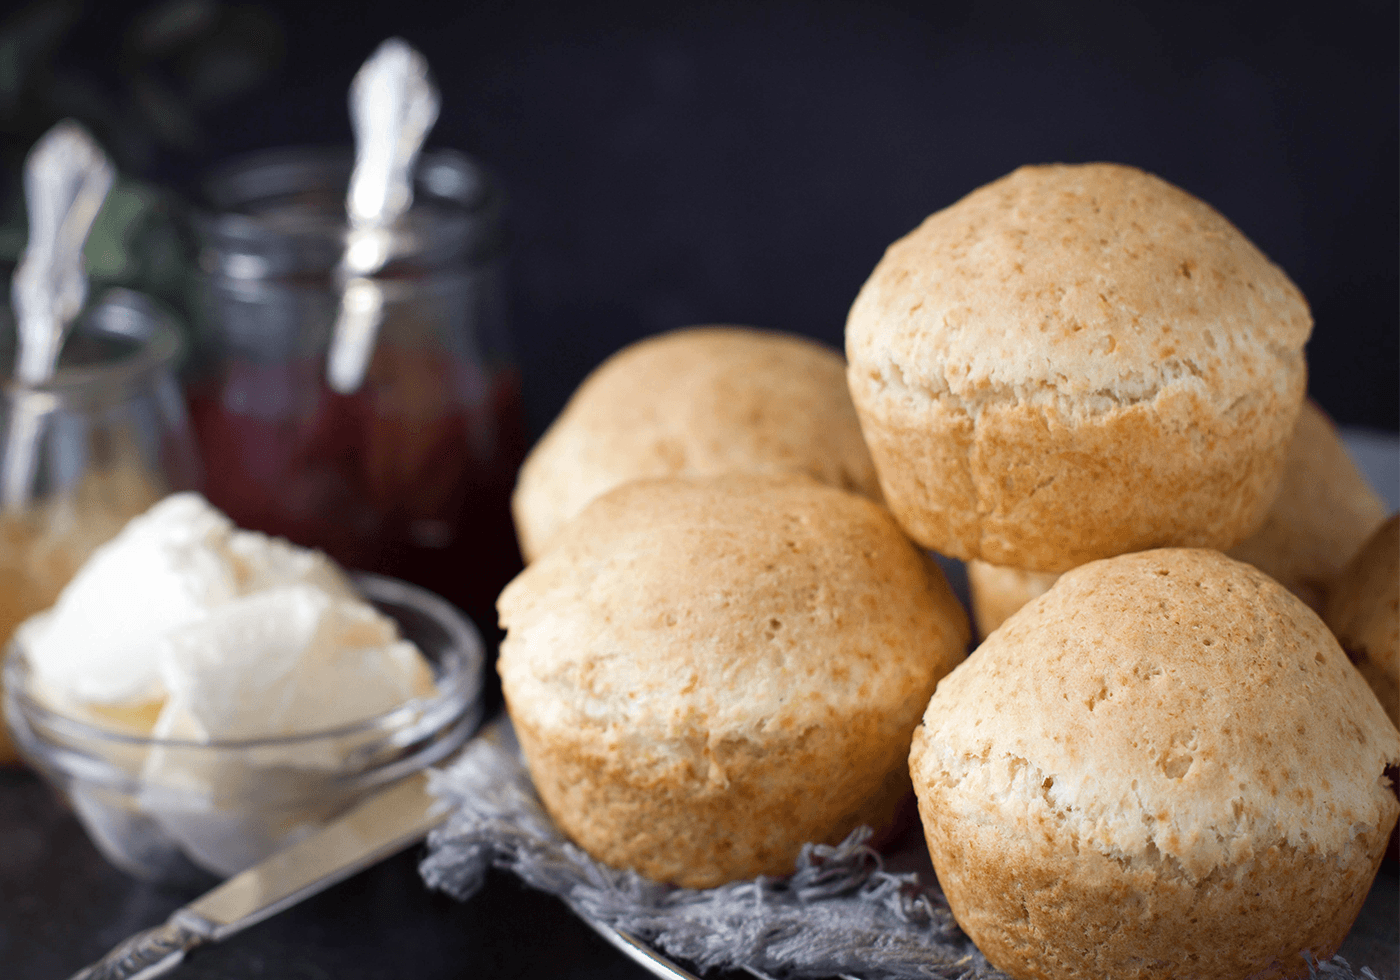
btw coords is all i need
(62, 906)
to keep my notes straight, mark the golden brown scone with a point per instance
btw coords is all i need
(694, 402)
(1075, 362)
(706, 673)
(1363, 610)
(1324, 512)
(997, 591)
(1164, 767)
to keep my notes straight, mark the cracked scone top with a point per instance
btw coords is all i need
(1074, 362)
(1163, 767)
(707, 673)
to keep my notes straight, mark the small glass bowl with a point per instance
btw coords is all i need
(215, 808)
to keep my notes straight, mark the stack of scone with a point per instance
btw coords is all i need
(1323, 513)
(1161, 765)
(722, 645)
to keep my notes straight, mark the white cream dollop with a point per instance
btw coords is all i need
(291, 659)
(164, 570)
(215, 633)
(188, 630)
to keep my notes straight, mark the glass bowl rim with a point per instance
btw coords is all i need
(458, 688)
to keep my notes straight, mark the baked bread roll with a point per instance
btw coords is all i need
(694, 402)
(996, 592)
(707, 673)
(1075, 362)
(1163, 767)
(1363, 610)
(1324, 512)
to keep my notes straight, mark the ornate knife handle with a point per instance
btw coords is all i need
(151, 953)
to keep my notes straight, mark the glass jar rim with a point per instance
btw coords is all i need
(457, 214)
(121, 314)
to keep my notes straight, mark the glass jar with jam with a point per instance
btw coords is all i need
(410, 473)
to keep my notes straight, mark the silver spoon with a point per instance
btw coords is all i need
(66, 179)
(393, 105)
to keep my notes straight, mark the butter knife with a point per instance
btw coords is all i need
(383, 825)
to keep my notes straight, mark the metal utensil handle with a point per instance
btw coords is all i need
(152, 953)
(638, 951)
(66, 179)
(393, 105)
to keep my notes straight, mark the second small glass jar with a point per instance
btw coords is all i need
(409, 475)
(87, 450)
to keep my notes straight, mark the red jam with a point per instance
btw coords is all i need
(410, 476)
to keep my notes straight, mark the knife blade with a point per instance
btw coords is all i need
(381, 826)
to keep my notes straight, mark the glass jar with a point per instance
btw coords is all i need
(110, 437)
(410, 475)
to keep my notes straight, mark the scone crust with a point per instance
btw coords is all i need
(694, 402)
(1075, 362)
(707, 673)
(1009, 886)
(1324, 512)
(1169, 750)
(997, 591)
(1363, 610)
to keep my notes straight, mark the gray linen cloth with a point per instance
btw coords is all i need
(839, 914)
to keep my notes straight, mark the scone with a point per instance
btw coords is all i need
(1363, 611)
(707, 673)
(694, 402)
(1325, 510)
(996, 592)
(1164, 767)
(1075, 362)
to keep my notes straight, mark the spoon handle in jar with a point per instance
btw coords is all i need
(393, 105)
(66, 179)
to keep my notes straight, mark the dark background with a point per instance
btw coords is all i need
(679, 163)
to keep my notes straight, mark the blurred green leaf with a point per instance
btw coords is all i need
(108, 253)
(243, 52)
(29, 37)
(161, 29)
(171, 63)
(11, 243)
(171, 120)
